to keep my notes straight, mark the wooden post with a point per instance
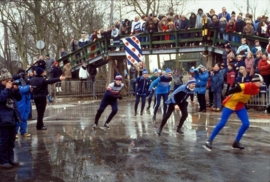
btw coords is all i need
(147, 65)
(110, 74)
(158, 60)
(176, 62)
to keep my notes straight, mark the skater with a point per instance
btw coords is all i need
(162, 90)
(40, 91)
(152, 92)
(235, 102)
(110, 98)
(177, 101)
(143, 83)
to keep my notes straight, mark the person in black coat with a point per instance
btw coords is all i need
(40, 92)
(9, 116)
(56, 73)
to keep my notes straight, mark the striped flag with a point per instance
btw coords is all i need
(133, 49)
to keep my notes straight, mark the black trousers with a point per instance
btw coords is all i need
(41, 107)
(7, 144)
(202, 101)
(183, 108)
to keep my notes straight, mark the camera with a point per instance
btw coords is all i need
(16, 82)
(10, 103)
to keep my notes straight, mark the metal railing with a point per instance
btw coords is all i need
(262, 99)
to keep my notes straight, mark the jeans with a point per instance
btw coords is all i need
(217, 100)
(226, 112)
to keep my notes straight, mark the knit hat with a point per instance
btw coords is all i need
(168, 71)
(201, 66)
(39, 71)
(191, 80)
(257, 78)
(5, 74)
(144, 71)
(155, 70)
(55, 63)
(118, 77)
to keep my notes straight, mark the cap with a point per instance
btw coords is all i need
(5, 74)
(168, 71)
(257, 78)
(118, 77)
(39, 71)
(144, 71)
(191, 80)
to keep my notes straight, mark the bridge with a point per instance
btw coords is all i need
(101, 52)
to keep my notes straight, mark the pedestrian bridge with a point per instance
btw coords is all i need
(101, 51)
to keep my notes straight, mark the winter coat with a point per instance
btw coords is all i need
(49, 64)
(217, 80)
(239, 25)
(56, 72)
(243, 49)
(142, 85)
(254, 49)
(41, 63)
(67, 71)
(226, 15)
(41, 85)
(230, 27)
(163, 85)
(222, 26)
(198, 23)
(9, 116)
(249, 62)
(201, 81)
(25, 103)
(241, 79)
(83, 42)
(180, 95)
(264, 67)
(83, 73)
(230, 77)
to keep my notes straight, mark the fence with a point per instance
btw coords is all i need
(96, 90)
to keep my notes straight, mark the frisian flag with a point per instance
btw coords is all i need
(133, 49)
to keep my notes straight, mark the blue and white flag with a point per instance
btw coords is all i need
(133, 49)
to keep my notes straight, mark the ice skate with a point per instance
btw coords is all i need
(236, 145)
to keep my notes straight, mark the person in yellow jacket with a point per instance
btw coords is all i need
(235, 102)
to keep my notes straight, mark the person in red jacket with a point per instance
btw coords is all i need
(264, 68)
(230, 78)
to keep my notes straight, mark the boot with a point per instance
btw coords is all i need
(159, 131)
(57, 90)
(208, 144)
(60, 89)
(179, 131)
(236, 144)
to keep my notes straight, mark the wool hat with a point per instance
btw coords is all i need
(118, 77)
(191, 80)
(55, 63)
(39, 71)
(257, 78)
(5, 74)
(168, 71)
(155, 70)
(201, 66)
(144, 71)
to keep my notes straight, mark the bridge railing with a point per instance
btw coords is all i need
(176, 40)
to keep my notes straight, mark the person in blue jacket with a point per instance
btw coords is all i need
(217, 80)
(143, 83)
(201, 75)
(162, 90)
(178, 101)
(9, 116)
(24, 106)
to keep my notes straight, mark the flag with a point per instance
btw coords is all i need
(133, 49)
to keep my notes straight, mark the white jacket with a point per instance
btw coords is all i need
(83, 73)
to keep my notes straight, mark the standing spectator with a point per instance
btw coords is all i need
(242, 75)
(83, 41)
(184, 27)
(230, 55)
(256, 24)
(262, 28)
(125, 27)
(217, 80)
(211, 14)
(267, 50)
(41, 63)
(230, 80)
(257, 47)
(93, 47)
(249, 62)
(63, 53)
(68, 75)
(40, 84)
(9, 116)
(143, 83)
(239, 26)
(162, 90)
(264, 68)
(192, 24)
(239, 62)
(115, 36)
(224, 14)
(74, 45)
(222, 29)
(135, 26)
(230, 28)
(56, 73)
(177, 79)
(49, 64)
(248, 30)
(256, 61)
(201, 75)
(93, 72)
(206, 24)
(165, 29)
(243, 49)
(83, 75)
(199, 18)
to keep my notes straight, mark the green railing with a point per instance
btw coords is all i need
(102, 46)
